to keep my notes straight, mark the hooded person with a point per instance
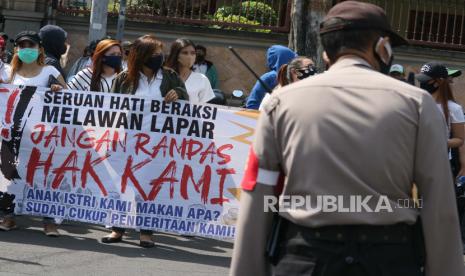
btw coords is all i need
(54, 41)
(276, 56)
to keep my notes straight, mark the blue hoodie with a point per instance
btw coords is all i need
(276, 56)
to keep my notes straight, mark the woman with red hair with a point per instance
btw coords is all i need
(106, 64)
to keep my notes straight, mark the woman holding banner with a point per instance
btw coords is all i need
(28, 64)
(146, 77)
(181, 59)
(106, 63)
(28, 68)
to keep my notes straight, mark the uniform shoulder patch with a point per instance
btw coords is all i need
(271, 104)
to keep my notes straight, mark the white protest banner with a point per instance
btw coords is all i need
(124, 161)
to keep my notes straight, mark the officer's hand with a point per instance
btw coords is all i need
(171, 96)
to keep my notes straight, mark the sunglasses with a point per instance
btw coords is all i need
(309, 70)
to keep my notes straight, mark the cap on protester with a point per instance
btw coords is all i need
(27, 36)
(397, 68)
(356, 15)
(453, 73)
(432, 70)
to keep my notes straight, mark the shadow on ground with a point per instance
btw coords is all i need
(86, 237)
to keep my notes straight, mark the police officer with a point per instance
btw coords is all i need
(348, 144)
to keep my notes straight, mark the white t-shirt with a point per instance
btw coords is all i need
(151, 89)
(82, 80)
(201, 68)
(5, 71)
(455, 117)
(455, 114)
(41, 80)
(199, 88)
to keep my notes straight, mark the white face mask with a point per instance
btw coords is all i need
(388, 48)
(384, 65)
(64, 57)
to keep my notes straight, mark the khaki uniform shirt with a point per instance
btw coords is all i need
(352, 132)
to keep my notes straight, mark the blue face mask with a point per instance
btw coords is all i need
(112, 61)
(28, 55)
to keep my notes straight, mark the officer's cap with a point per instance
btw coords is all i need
(359, 15)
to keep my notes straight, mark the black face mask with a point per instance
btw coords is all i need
(429, 87)
(306, 72)
(155, 62)
(112, 61)
(200, 59)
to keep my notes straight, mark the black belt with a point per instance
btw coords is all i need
(396, 233)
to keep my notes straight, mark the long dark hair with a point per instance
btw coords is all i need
(97, 64)
(142, 49)
(284, 74)
(445, 95)
(176, 47)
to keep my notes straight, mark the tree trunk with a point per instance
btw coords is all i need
(306, 16)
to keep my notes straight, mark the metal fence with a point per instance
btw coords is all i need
(261, 16)
(432, 23)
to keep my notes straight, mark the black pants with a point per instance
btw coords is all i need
(302, 254)
(122, 230)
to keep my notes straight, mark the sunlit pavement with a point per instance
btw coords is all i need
(27, 251)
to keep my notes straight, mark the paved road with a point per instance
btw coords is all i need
(27, 251)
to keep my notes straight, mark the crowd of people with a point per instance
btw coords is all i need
(131, 67)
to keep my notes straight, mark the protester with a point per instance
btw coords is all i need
(28, 64)
(28, 68)
(276, 57)
(5, 69)
(83, 62)
(397, 72)
(352, 132)
(106, 63)
(434, 79)
(146, 77)
(54, 41)
(204, 66)
(7, 55)
(126, 48)
(298, 69)
(181, 59)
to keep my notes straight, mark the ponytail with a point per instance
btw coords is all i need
(284, 75)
